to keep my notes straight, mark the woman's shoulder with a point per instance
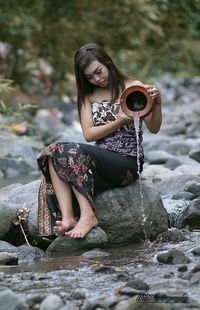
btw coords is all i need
(99, 95)
(132, 81)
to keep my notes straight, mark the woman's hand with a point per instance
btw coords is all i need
(125, 119)
(154, 93)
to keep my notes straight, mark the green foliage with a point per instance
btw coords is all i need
(13, 111)
(5, 86)
(145, 37)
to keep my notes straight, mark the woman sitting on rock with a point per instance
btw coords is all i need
(76, 172)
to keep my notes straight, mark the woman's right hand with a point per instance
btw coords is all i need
(125, 119)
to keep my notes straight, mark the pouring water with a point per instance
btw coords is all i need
(137, 123)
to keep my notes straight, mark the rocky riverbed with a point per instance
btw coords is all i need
(111, 278)
(163, 273)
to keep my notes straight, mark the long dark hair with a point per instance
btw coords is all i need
(82, 59)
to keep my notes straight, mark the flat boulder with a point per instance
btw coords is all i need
(126, 214)
(129, 213)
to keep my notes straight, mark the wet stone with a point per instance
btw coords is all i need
(8, 258)
(193, 187)
(158, 157)
(30, 254)
(95, 253)
(7, 247)
(93, 306)
(35, 299)
(196, 251)
(65, 244)
(195, 279)
(137, 284)
(72, 305)
(77, 295)
(173, 257)
(51, 302)
(9, 300)
(183, 195)
(195, 152)
(168, 275)
(196, 268)
(40, 277)
(173, 235)
(183, 268)
(27, 276)
(103, 303)
(129, 291)
(122, 277)
(104, 269)
(190, 215)
(185, 276)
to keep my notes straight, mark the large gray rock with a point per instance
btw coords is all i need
(178, 148)
(186, 169)
(193, 187)
(29, 254)
(17, 154)
(47, 124)
(8, 258)
(173, 257)
(195, 152)
(68, 135)
(64, 244)
(173, 129)
(191, 215)
(157, 157)
(7, 247)
(155, 173)
(52, 302)
(26, 254)
(174, 162)
(155, 142)
(119, 211)
(175, 184)
(9, 300)
(15, 197)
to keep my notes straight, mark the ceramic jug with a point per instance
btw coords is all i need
(135, 101)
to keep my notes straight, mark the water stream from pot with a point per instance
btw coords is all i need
(137, 122)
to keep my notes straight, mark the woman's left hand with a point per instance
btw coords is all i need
(154, 93)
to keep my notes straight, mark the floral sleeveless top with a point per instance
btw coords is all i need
(124, 140)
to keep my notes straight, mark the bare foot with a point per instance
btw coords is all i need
(62, 227)
(83, 227)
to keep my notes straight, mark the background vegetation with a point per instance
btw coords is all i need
(145, 37)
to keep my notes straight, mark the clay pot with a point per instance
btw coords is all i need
(135, 101)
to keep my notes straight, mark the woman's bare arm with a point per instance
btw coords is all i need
(153, 120)
(94, 133)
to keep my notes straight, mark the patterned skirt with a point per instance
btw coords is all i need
(88, 168)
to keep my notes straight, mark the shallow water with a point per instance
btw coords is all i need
(119, 256)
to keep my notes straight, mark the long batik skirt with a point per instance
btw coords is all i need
(88, 168)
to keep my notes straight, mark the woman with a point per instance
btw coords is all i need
(80, 171)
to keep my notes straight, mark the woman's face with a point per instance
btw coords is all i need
(97, 74)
